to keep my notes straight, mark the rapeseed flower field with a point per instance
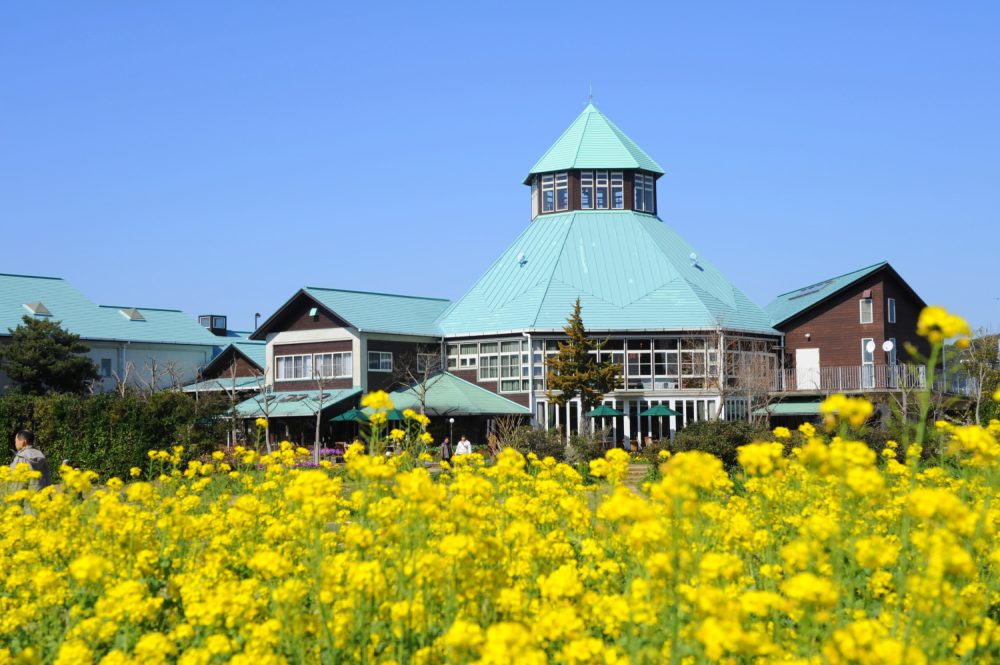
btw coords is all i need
(817, 550)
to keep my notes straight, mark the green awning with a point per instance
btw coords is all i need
(445, 394)
(292, 404)
(789, 409)
(351, 415)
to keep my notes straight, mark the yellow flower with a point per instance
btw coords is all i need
(397, 435)
(782, 433)
(855, 410)
(937, 324)
(135, 472)
(378, 400)
(261, 422)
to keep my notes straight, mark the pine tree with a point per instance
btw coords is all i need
(575, 372)
(44, 357)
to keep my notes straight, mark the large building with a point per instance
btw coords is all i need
(683, 334)
(142, 347)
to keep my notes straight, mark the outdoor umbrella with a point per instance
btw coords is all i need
(393, 414)
(352, 415)
(659, 411)
(604, 411)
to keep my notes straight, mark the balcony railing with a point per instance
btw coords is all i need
(863, 378)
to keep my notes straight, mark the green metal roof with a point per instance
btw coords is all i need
(794, 302)
(449, 395)
(630, 270)
(91, 321)
(293, 404)
(789, 409)
(593, 141)
(224, 383)
(383, 312)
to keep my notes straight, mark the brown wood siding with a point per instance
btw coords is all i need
(400, 351)
(835, 326)
(222, 366)
(337, 346)
(296, 317)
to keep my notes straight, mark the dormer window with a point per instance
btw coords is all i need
(644, 193)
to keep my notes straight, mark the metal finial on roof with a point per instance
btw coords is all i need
(590, 93)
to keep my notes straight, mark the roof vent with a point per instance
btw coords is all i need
(38, 309)
(521, 259)
(132, 314)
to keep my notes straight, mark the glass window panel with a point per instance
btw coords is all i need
(602, 190)
(648, 194)
(866, 310)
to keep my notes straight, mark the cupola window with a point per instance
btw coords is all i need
(617, 190)
(586, 190)
(562, 191)
(602, 190)
(548, 193)
(644, 189)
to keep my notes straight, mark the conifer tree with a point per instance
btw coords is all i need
(575, 372)
(44, 357)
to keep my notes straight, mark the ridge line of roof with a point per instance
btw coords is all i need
(377, 293)
(830, 279)
(552, 273)
(687, 283)
(13, 274)
(149, 309)
(586, 123)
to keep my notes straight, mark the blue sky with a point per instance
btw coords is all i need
(215, 157)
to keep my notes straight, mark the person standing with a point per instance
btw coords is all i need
(24, 442)
(464, 446)
(446, 450)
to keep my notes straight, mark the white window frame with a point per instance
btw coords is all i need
(380, 365)
(890, 310)
(640, 202)
(489, 361)
(535, 204)
(650, 194)
(617, 184)
(280, 366)
(601, 183)
(510, 366)
(892, 351)
(468, 355)
(427, 360)
(107, 368)
(452, 351)
(346, 364)
(548, 187)
(587, 185)
(562, 191)
(871, 310)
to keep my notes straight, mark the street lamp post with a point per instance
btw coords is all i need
(451, 431)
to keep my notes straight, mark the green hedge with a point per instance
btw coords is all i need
(108, 433)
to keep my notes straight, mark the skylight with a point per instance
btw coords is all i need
(809, 290)
(132, 314)
(38, 309)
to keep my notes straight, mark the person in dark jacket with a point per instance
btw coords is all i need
(26, 453)
(446, 450)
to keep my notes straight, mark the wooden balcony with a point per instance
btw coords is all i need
(867, 378)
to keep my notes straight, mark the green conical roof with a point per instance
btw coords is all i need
(630, 270)
(593, 142)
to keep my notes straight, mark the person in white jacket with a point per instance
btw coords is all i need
(463, 447)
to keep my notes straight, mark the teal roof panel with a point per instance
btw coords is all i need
(95, 322)
(449, 395)
(794, 302)
(593, 141)
(297, 404)
(383, 312)
(630, 270)
(224, 383)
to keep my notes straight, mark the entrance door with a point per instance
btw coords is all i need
(807, 369)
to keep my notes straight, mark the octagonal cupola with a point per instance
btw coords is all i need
(593, 166)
